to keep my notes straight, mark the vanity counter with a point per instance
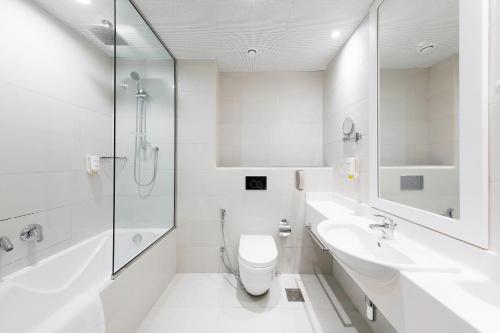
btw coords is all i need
(463, 300)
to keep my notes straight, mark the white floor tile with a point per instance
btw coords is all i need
(243, 320)
(216, 303)
(182, 320)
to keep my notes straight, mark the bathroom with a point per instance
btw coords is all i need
(250, 166)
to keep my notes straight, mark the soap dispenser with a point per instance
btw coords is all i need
(352, 168)
(93, 165)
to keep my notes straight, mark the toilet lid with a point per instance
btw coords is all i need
(258, 250)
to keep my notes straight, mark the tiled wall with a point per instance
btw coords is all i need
(203, 188)
(440, 192)
(418, 115)
(346, 95)
(270, 119)
(56, 107)
(404, 127)
(443, 120)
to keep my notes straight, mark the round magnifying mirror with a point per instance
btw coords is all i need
(348, 126)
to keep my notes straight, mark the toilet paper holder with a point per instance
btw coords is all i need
(285, 228)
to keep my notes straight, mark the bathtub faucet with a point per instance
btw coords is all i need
(32, 231)
(6, 244)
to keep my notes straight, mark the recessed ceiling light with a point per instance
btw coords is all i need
(85, 2)
(335, 34)
(252, 53)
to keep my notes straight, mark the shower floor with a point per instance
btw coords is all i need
(211, 303)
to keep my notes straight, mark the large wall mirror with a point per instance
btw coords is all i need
(429, 112)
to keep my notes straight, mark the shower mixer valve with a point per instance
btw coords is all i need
(32, 231)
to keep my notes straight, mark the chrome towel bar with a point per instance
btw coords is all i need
(318, 241)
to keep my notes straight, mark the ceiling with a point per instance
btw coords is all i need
(407, 26)
(287, 34)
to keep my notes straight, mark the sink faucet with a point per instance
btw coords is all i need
(386, 227)
(32, 231)
(6, 244)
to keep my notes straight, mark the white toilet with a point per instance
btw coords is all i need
(257, 259)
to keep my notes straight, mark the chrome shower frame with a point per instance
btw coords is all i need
(117, 271)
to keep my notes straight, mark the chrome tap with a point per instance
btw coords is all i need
(32, 231)
(386, 227)
(6, 244)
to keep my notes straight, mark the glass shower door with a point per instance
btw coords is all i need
(144, 136)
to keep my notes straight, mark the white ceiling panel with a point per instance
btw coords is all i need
(408, 26)
(287, 34)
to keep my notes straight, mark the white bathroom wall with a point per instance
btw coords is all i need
(440, 192)
(404, 124)
(56, 104)
(346, 95)
(270, 119)
(418, 115)
(443, 109)
(203, 188)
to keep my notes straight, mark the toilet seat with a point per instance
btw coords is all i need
(258, 251)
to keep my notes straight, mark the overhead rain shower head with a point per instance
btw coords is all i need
(106, 33)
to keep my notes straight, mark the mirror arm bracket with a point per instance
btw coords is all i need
(356, 136)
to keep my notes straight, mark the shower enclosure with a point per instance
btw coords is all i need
(144, 145)
(141, 100)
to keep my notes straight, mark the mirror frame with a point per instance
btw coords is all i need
(472, 227)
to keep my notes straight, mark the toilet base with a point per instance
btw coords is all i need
(256, 281)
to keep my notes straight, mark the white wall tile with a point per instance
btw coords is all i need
(270, 113)
(203, 189)
(55, 110)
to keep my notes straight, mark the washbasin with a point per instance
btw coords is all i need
(365, 252)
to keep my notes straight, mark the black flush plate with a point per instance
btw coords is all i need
(256, 183)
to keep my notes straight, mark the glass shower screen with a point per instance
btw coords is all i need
(144, 136)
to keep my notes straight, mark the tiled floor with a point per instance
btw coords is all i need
(210, 303)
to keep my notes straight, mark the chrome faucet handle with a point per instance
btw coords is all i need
(32, 231)
(6, 244)
(387, 221)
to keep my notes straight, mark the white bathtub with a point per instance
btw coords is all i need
(62, 293)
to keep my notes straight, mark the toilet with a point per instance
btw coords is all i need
(257, 257)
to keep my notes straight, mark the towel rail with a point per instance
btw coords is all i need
(318, 241)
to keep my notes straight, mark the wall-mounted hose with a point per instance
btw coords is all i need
(226, 258)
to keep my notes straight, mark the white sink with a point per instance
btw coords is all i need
(365, 252)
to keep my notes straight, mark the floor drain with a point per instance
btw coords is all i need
(294, 295)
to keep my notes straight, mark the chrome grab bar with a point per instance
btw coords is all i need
(318, 241)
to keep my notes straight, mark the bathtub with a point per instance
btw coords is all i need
(62, 292)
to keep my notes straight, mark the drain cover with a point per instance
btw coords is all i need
(294, 295)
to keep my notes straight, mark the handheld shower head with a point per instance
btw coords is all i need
(135, 76)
